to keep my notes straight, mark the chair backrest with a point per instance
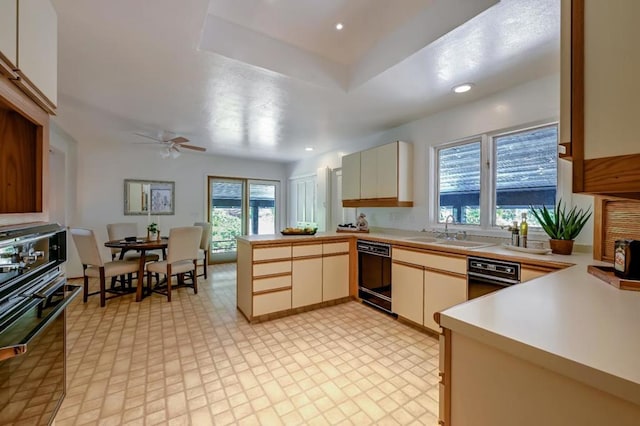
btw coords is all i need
(184, 243)
(120, 231)
(85, 241)
(205, 240)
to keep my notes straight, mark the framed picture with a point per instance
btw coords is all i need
(161, 201)
(144, 197)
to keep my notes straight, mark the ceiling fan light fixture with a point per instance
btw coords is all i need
(165, 154)
(462, 88)
(174, 153)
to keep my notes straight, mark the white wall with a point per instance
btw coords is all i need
(534, 102)
(102, 168)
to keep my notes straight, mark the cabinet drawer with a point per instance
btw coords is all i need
(307, 250)
(268, 253)
(264, 284)
(329, 248)
(435, 261)
(271, 302)
(263, 269)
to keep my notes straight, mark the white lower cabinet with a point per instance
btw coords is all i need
(271, 302)
(407, 292)
(425, 283)
(306, 277)
(441, 291)
(335, 277)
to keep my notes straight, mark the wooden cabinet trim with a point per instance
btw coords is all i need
(409, 265)
(610, 175)
(335, 254)
(377, 202)
(577, 93)
(445, 272)
(433, 252)
(445, 379)
(280, 274)
(259, 262)
(538, 268)
(271, 290)
(311, 256)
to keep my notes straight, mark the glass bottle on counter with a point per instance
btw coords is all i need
(515, 234)
(524, 230)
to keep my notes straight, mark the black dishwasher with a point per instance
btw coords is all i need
(374, 274)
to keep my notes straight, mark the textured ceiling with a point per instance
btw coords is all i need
(260, 90)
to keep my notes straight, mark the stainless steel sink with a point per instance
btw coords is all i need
(466, 244)
(423, 239)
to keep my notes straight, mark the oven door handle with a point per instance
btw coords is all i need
(21, 348)
(505, 282)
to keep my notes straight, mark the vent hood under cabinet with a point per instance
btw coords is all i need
(379, 177)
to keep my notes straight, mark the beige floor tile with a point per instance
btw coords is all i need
(197, 361)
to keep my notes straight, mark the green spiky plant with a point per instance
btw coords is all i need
(560, 224)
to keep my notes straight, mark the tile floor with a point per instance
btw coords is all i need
(197, 361)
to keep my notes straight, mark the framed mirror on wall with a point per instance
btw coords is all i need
(144, 197)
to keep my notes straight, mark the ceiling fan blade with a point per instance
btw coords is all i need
(195, 148)
(178, 140)
(149, 137)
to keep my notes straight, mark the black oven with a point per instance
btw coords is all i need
(33, 298)
(374, 274)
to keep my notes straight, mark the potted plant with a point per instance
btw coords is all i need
(152, 231)
(561, 226)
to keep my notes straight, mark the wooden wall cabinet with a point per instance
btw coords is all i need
(384, 175)
(599, 95)
(24, 151)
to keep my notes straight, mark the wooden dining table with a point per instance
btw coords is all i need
(142, 245)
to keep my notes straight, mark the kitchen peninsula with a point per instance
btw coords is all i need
(558, 347)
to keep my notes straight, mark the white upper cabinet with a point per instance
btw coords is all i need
(8, 35)
(385, 177)
(38, 48)
(351, 176)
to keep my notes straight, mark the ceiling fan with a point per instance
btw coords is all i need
(172, 144)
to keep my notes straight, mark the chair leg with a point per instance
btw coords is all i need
(85, 294)
(169, 282)
(102, 289)
(130, 278)
(194, 275)
(206, 263)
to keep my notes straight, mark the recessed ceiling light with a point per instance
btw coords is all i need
(339, 26)
(463, 88)
(309, 148)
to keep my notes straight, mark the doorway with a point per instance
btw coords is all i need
(239, 206)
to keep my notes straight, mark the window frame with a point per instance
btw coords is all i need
(488, 187)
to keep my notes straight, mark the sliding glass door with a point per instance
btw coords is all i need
(239, 207)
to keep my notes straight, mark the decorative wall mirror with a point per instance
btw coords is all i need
(150, 197)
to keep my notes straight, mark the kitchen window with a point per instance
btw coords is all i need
(506, 172)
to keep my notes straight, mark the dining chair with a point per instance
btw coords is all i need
(182, 254)
(93, 266)
(205, 243)
(120, 231)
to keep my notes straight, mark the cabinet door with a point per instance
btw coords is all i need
(306, 288)
(387, 170)
(368, 174)
(9, 32)
(407, 292)
(38, 46)
(351, 176)
(335, 277)
(441, 291)
(527, 274)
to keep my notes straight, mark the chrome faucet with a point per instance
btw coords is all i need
(446, 225)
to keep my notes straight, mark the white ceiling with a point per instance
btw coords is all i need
(265, 78)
